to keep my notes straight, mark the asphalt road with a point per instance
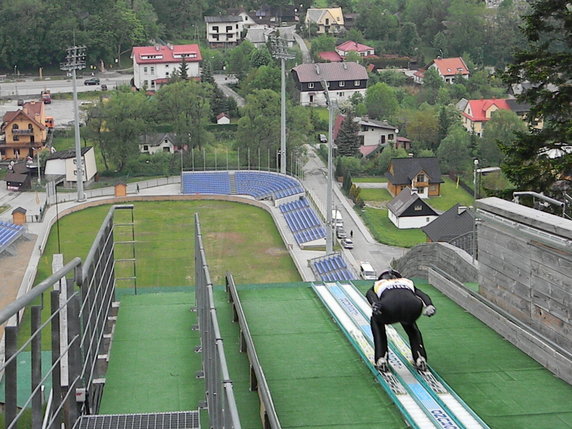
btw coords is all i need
(30, 88)
(365, 247)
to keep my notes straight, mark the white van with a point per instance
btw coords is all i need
(367, 272)
(337, 218)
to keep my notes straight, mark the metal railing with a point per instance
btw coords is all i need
(78, 322)
(257, 378)
(220, 400)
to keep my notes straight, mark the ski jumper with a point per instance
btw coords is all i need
(402, 302)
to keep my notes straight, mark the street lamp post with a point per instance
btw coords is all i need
(280, 51)
(475, 184)
(75, 60)
(329, 196)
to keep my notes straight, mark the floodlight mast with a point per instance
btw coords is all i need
(329, 196)
(75, 60)
(280, 51)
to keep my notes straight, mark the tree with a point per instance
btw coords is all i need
(347, 139)
(408, 38)
(259, 127)
(239, 59)
(260, 57)
(500, 128)
(126, 115)
(422, 126)
(322, 43)
(381, 101)
(183, 69)
(185, 104)
(454, 153)
(546, 63)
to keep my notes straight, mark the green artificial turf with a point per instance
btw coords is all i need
(153, 365)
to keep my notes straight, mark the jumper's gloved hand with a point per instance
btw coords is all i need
(429, 310)
(376, 308)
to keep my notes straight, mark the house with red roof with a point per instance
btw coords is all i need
(153, 66)
(449, 68)
(330, 56)
(23, 131)
(478, 112)
(351, 46)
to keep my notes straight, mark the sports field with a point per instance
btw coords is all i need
(316, 378)
(239, 238)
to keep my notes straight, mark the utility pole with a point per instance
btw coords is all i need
(329, 196)
(280, 51)
(75, 60)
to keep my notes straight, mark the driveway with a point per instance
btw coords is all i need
(223, 80)
(306, 57)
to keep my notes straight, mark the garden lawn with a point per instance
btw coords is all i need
(450, 195)
(370, 179)
(375, 194)
(384, 231)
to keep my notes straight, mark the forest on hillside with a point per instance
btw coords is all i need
(36, 33)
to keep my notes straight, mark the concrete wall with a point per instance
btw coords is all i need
(525, 259)
(443, 256)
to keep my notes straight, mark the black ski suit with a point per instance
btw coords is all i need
(401, 302)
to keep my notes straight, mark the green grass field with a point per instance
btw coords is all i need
(369, 179)
(375, 194)
(238, 238)
(384, 231)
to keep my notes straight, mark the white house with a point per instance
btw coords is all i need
(222, 119)
(154, 65)
(343, 80)
(351, 46)
(154, 143)
(371, 133)
(407, 210)
(223, 31)
(63, 163)
(328, 20)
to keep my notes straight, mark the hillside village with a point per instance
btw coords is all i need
(437, 130)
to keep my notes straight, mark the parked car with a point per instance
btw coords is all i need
(347, 243)
(91, 81)
(322, 138)
(340, 232)
(367, 272)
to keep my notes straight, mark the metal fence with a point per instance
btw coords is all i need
(220, 401)
(78, 324)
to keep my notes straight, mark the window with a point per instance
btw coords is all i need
(144, 69)
(311, 85)
(382, 139)
(356, 82)
(342, 83)
(15, 127)
(340, 94)
(146, 148)
(166, 66)
(167, 149)
(152, 70)
(228, 28)
(311, 98)
(420, 178)
(418, 207)
(427, 219)
(215, 28)
(390, 137)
